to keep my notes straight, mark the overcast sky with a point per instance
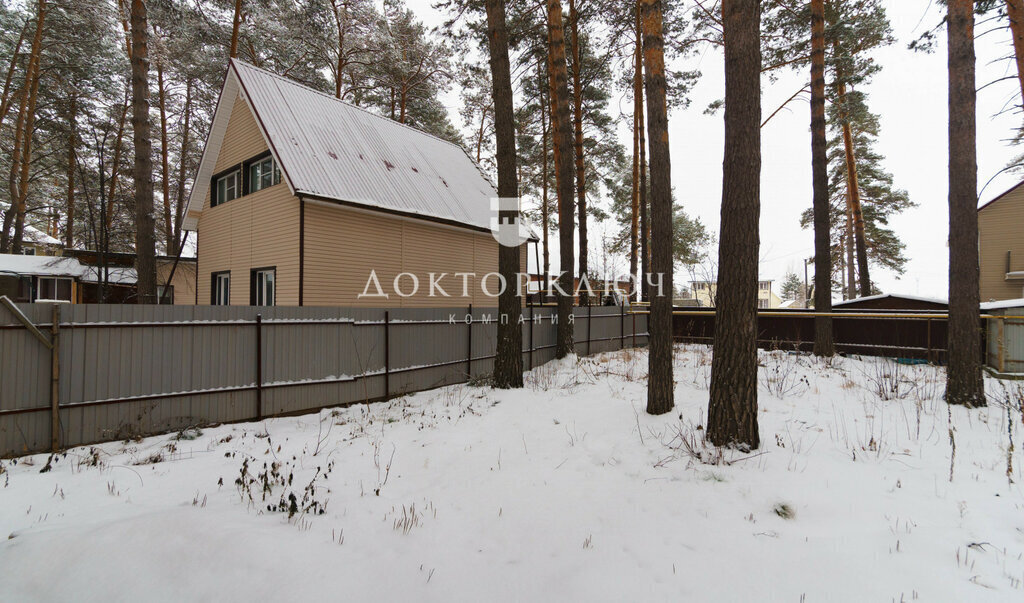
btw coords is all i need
(909, 94)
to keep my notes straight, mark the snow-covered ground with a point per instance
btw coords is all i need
(565, 490)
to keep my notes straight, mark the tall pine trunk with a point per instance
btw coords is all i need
(165, 177)
(32, 97)
(823, 342)
(179, 206)
(964, 383)
(236, 24)
(851, 268)
(732, 410)
(659, 373)
(545, 133)
(564, 175)
(581, 181)
(145, 244)
(634, 214)
(645, 231)
(854, 192)
(508, 361)
(69, 232)
(1015, 12)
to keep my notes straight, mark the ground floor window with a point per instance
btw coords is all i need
(220, 294)
(263, 287)
(160, 294)
(50, 288)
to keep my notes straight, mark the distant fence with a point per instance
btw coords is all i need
(918, 334)
(119, 371)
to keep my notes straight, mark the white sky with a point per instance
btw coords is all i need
(910, 96)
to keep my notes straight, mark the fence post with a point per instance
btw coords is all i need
(259, 367)
(387, 354)
(55, 380)
(622, 327)
(590, 323)
(531, 337)
(929, 339)
(1002, 346)
(469, 344)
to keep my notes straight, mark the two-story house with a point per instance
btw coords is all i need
(1001, 246)
(303, 199)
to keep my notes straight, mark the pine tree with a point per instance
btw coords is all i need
(823, 339)
(508, 363)
(562, 128)
(660, 384)
(965, 384)
(732, 410)
(145, 244)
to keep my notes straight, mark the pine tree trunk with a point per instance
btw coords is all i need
(645, 231)
(660, 388)
(634, 222)
(69, 233)
(145, 244)
(964, 384)
(564, 172)
(545, 203)
(851, 268)
(115, 166)
(8, 94)
(179, 206)
(1015, 12)
(854, 191)
(236, 23)
(165, 177)
(25, 163)
(732, 410)
(508, 361)
(581, 183)
(823, 342)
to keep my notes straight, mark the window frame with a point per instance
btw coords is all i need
(236, 172)
(255, 292)
(257, 162)
(39, 287)
(214, 289)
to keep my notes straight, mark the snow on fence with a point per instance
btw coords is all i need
(119, 371)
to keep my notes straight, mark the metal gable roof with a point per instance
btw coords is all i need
(332, 150)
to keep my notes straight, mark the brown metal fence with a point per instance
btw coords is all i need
(919, 334)
(118, 371)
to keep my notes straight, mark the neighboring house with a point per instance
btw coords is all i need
(32, 278)
(892, 301)
(38, 278)
(706, 291)
(301, 197)
(35, 241)
(121, 277)
(1001, 246)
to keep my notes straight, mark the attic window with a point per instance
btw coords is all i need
(263, 174)
(226, 188)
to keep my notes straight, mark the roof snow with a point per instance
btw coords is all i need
(329, 149)
(34, 235)
(40, 265)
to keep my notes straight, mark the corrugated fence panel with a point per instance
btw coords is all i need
(131, 370)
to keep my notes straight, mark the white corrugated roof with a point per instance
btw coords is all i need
(40, 265)
(332, 150)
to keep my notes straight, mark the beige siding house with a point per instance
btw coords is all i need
(1001, 246)
(302, 199)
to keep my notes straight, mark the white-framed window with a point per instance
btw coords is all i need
(263, 173)
(28, 251)
(226, 188)
(53, 288)
(264, 286)
(221, 292)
